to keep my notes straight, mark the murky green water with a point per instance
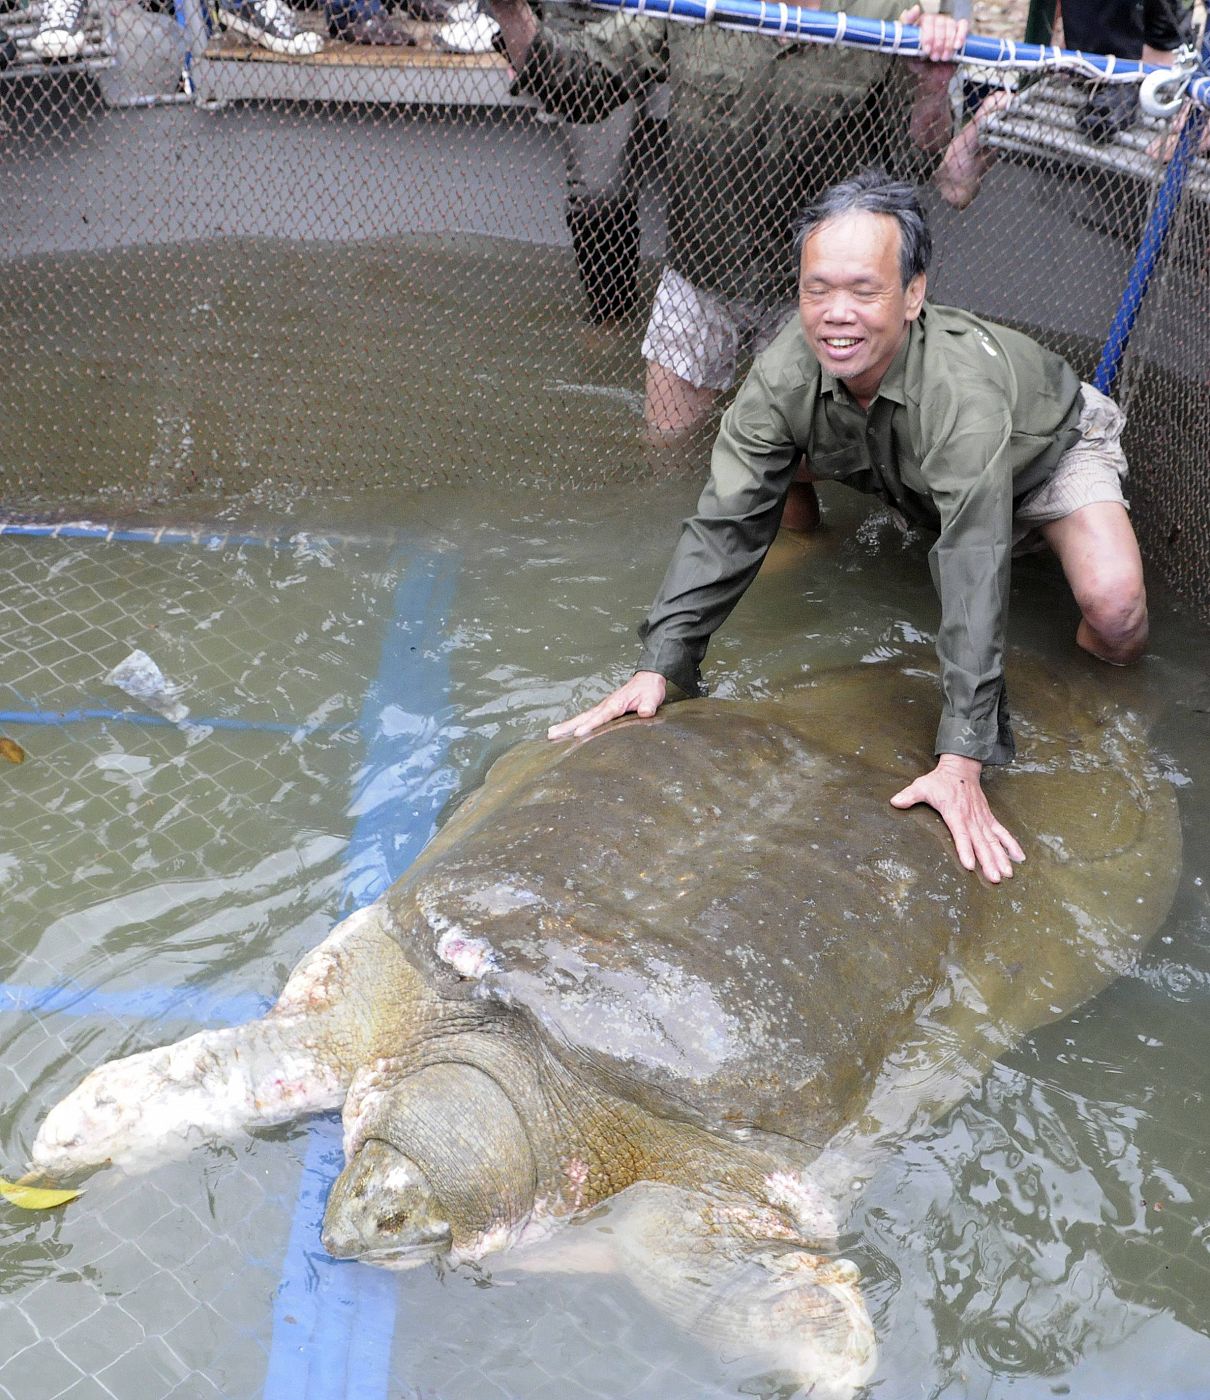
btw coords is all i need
(1049, 1237)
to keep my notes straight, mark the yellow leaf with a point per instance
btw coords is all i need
(34, 1197)
(10, 749)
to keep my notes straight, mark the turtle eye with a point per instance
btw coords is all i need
(393, 1223)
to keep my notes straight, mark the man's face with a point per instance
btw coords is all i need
(854, 308)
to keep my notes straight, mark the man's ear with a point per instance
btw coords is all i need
(915, 295)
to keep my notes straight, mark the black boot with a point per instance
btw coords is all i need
(605, 237)
(1108, 112)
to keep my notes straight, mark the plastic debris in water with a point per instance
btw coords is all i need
(11, 750)
(34, 1197)
(140, 678)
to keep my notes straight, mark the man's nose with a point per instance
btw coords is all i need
(839, 308)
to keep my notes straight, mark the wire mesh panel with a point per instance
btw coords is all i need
(383, 264)
(177, 833)
(1166, 383)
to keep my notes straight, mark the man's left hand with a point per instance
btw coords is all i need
(954, 789)
(941, 36)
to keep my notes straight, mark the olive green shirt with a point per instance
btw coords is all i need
(970, 417)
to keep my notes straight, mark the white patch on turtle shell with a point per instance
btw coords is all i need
(499, 899)
(469, 956)
(656, 1013)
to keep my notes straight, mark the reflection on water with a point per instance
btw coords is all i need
(1049, 1237)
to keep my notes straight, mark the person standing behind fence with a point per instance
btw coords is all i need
(1149, 31)
(756, 126)
(603, 176)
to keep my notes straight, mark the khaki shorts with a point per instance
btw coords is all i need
(1092, 470)
(701, 337)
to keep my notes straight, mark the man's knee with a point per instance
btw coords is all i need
(1114, 608)
(1119, 620)
(1101, 559)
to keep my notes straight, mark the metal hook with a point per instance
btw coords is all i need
(1162, 91)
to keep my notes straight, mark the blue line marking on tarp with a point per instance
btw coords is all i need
(206, 537)
(334, 1322)
(197, 1004)
(265, 726)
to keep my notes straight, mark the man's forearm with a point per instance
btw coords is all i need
(518, 26)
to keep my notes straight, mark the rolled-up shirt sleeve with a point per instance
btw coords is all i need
(971, 562)
(722, 544)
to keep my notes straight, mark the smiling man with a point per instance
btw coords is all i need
(962, 427)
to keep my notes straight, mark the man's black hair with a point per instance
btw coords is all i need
(874, 192)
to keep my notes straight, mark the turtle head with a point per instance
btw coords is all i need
(382, 1210)
(438, 1161)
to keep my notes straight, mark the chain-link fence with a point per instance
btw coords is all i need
(256, 258)
(382, 264)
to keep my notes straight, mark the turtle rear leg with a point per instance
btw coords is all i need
(710, 1266)
(347, 1000)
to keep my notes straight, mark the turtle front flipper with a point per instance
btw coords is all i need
(352, 997)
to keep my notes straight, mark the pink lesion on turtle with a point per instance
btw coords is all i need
(469, 957)
(575, 1169)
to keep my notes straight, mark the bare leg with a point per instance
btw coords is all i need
(966, 158)
(802, 502)
(673, 407)
(1100, 557)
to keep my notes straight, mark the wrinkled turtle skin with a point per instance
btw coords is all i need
(696, 963)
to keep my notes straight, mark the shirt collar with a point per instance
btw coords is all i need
(893, 381)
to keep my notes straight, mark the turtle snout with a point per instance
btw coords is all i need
(383, 1210)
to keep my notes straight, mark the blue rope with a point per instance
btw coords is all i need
(152, 534)
(167, 534)
(1151, 245)
(266, 726)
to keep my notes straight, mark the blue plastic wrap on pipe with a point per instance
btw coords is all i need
(887, 36)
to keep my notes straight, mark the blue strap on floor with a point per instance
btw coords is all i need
(201, 1006)
(333, 1322)
(77, 716)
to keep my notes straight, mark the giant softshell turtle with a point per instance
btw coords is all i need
(699, 952)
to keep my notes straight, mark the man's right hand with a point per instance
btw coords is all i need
(953, 789)
(642, 694)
